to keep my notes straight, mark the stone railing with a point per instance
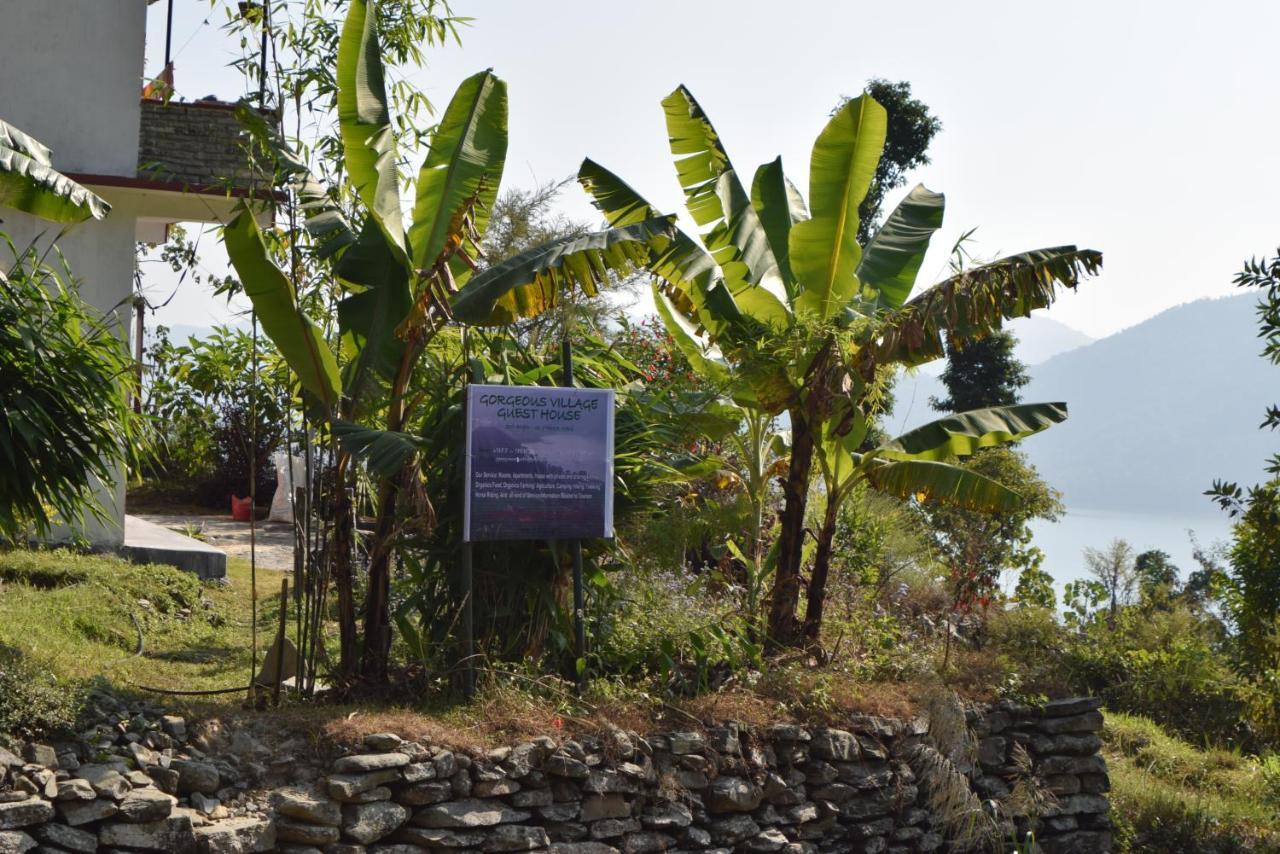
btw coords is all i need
(785, 788)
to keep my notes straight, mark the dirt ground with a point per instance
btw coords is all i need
(274, 544)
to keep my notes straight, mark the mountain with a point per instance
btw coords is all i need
(1157, 411)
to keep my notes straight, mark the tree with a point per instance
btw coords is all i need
(403, 286)
(783, 306)
(910, 128)
(1157, 575)
(1113, 569)
(977, 547)
(1253, 582)
(981, 372)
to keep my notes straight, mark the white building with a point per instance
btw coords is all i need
(72, 75)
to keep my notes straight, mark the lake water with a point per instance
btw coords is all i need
(1063, 542)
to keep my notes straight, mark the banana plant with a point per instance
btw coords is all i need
(29, 183)
(402, 284)
(777, 295)
(917, 465)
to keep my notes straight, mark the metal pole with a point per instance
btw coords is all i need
(468, 628)
(575, 549)
(168, 37)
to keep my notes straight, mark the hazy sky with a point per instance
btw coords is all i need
(1146, 130)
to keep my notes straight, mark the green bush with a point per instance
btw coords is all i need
(64, 405)
(33, 703)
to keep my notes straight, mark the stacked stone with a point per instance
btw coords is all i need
(1061, 740)
(200, 144)
(786, 789)
(130, 786)
(130, 781)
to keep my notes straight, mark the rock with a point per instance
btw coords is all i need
(440, 837)
(1071, 765)
(515, 837)
(237, 836)
(468, 813)
(646, 842)
(1070, 706)
(174, 726)
(76, 813)
(612, 827)
(604, 806)
(730, 831)
(106, 781)
(582, 848)
(172, 834)
(292, 830)
(306, 805)
(143, 805)
(445, 764)
(766, 840)
(667, 814)
(196, 776)
(75, 789)
(204, 804)
(686, 742)
(383, 741)
(166, 779)
(9, 760)
(560, 812)
(15, 842)
(23, 813)
(67, 838)
(835, 744)
(565, 766)
(733, 794)
(425, 793)
(366, 823)
(365, 763)
(418, 772)
(345, 787)
(41, 754)
(531, 798)
(1087, 722)
(495, 788)
(143, 755)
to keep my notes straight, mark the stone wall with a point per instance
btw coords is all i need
(139, 783)
(195, 143)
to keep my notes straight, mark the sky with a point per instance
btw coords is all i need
(1145, 130)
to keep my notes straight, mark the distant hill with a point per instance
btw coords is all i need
(1157, 411)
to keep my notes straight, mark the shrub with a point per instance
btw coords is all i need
(64, 405)
(33, 703)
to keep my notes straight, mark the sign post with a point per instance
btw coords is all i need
(539, 466)
(575, 549)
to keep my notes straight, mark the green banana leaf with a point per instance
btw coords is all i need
(323, 217)
(824, 250)
(367, 320)
(690, 273)
(530, 283)
(731, 229)
(297, 338)
(927, 480)
(975, 302)
(892, 259)
(779, 206)
(703, 357)
(459, 179)
(965, 433)
(29, 183)
(368, 138)
(385, 452)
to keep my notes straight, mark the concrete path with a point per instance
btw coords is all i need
(274, 539)
(146, 542)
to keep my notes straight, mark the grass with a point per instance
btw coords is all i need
(80, 617)
(1171, 796)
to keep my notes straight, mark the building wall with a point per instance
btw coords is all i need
(71, 76)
